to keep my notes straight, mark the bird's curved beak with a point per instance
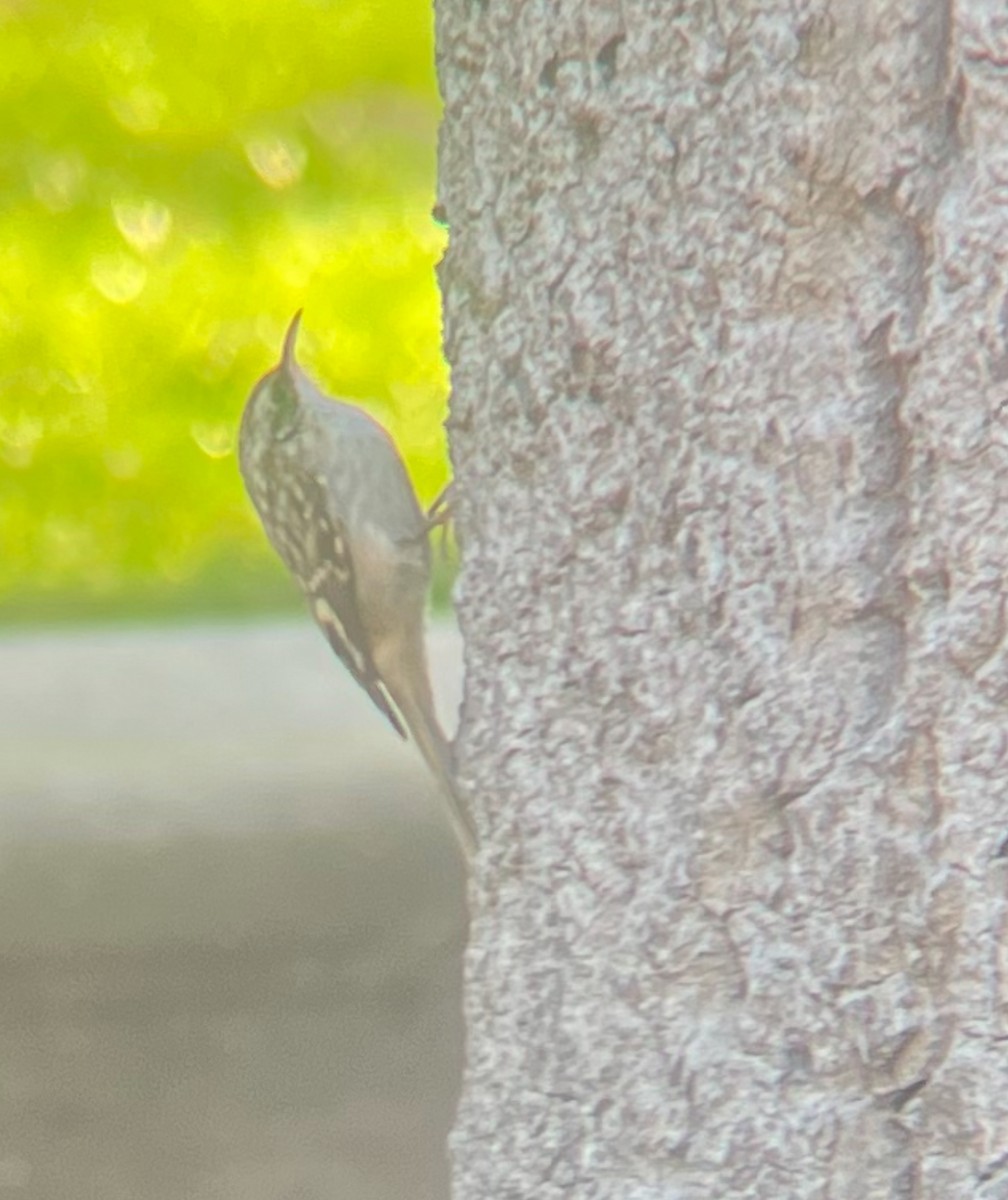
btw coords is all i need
(287, 360)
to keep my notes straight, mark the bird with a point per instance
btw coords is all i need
(337, 505)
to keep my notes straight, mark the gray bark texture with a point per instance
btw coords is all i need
(727, 312)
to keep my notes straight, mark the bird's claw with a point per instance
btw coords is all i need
(440, 512)
(438, 516)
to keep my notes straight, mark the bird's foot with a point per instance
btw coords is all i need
(440, 512)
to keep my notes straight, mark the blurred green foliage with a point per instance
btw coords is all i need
(176, 181)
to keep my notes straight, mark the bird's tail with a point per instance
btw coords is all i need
(414, 700)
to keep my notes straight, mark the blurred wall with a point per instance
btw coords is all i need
(230, 924)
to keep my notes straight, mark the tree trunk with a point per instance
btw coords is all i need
(727, 313)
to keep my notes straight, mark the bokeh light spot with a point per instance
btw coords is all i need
(279, 162)
(140, 109)
(145, 224)
(58, 182)
(119, 277)
(19, 435)
(214, 438)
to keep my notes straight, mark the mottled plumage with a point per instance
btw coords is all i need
(336, 503)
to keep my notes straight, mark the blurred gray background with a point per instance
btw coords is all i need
(231, 923)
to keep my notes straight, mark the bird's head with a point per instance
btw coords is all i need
(276, 394)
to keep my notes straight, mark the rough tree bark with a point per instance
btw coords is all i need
(727, 312)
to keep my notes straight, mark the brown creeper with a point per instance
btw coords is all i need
(336, 503)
